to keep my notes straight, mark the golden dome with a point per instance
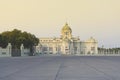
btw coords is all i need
(66, 28)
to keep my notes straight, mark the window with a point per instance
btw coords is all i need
(88, 52)
(75, 48)
(4, 53)
(51, 53)
(81, 52)
(56, 48)
(59, 49)
(92, 48)
(44, 48)
(50, 49)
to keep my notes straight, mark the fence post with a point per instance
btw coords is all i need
(22, 49)
(9, 47)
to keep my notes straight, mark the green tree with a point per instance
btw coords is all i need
(3, 41)
(16, 38)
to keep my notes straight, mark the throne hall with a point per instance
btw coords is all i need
(67, 44)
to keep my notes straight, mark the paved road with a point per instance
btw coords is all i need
(60, 68)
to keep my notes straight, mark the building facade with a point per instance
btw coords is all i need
(67, 44)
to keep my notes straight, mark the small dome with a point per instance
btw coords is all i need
(66, 28)
(91, 40)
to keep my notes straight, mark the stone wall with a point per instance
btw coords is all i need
(8, 51)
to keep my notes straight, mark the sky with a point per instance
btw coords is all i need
(45, 18)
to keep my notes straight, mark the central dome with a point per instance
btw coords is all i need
(66, 28)
(66, 32)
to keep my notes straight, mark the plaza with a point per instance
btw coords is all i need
(60, 68)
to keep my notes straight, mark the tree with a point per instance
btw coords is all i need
(3, 41)
(16, 38)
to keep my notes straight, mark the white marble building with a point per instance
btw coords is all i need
(67, 44)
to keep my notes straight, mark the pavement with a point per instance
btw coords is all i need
(60, 68)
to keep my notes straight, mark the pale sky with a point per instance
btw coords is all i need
(45, 18)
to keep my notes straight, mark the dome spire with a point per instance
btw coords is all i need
(66, 24)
